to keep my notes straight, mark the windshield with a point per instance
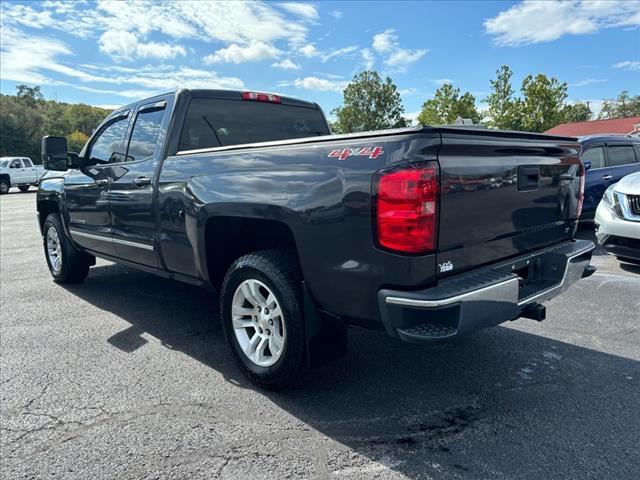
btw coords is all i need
(215, 122)
(4, 164)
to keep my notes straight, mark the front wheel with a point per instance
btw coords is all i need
(66, 264)
(4, 186)
(24, 188)
(262, 317)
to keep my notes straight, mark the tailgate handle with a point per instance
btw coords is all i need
(528, 177)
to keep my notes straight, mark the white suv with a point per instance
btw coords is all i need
(618, 219)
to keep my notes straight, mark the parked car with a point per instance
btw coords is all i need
(607, 158)
(19, 172)
(618, 219)
(304, 233)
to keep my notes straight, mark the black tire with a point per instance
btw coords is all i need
(4, 186)
(278, 270)
(24, 188)
(74, 265)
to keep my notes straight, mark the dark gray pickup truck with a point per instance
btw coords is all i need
(427, 233)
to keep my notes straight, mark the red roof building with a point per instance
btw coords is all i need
(623, 126)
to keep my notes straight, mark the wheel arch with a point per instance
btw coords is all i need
(228, 237)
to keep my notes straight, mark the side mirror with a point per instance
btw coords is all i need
(56, 157)
(54, 153)
(587, 165)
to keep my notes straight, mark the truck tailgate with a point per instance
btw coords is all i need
(503, 195)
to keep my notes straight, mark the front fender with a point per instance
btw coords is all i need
(50, 197)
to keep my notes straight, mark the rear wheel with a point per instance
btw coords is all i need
(262, 317)
(24, 188)
(4, 186)
(66, 263)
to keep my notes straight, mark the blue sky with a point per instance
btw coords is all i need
(112, 53)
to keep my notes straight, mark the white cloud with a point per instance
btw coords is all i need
(367, 58)
(412, 117)
(239, 22)
(234, 53)
(535, 21)
(25, 56)
(121, 45)
(286, 64)
(441, 81)
(309, 50)
(316, 84)
(385, 41)
(587, 81)
(339, 53)
(403, 57)
(161, 51)
(31, 58)
(169, 77)
(108, 106)
(631, 65)
(304, 10)
(335, 13)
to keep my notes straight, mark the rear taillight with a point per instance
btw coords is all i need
(261, 97)
(407, 209)
(582, 175)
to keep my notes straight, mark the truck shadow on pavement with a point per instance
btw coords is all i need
(501, 403)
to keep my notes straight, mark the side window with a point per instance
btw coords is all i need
(27, 163)
(107, 148)
(620, 155)
(144, 137)
(594, 155)
(16, 163)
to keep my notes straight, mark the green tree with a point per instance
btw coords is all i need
(76, 140)
(504, 110)
(83, 118)
(20, 128)
(578, 112)
(622, 107)
(369, 103)
(542, 102)
(26, 117)
(447, 105)
(55, 122)
(29, 96)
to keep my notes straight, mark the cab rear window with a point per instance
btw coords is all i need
(219, 122)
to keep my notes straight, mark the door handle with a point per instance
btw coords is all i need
(142, 181)
(607, 177)
(101, 182)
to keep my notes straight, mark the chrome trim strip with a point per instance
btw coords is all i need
(133, 244)
(412, 302)
(89, 235)
(111, 239)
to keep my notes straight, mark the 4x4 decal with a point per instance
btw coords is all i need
(344, 153)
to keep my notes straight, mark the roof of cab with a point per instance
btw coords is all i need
(221, 94)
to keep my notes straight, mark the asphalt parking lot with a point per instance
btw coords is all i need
(127, 376)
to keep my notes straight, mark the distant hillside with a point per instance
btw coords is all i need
(27, 116)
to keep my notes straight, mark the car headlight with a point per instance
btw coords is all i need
(612, 201)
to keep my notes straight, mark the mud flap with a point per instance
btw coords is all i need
(325, 334)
